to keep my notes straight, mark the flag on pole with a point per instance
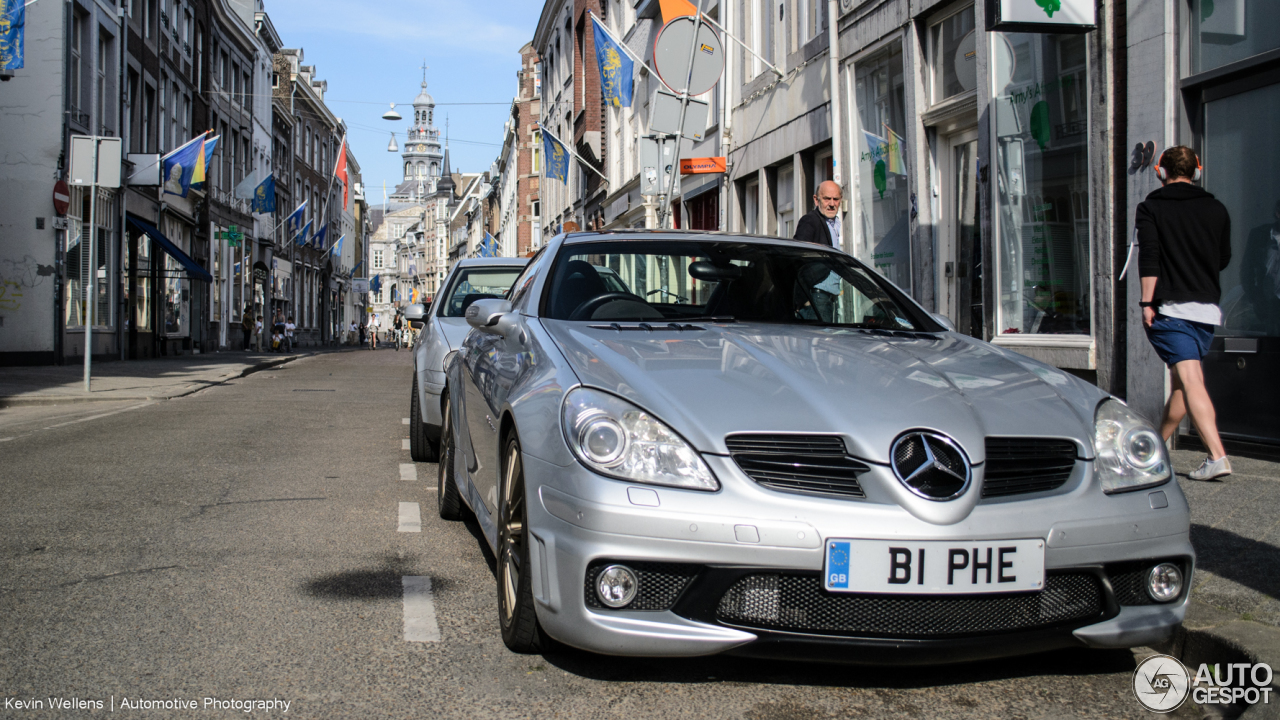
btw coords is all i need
(318, 239)
(337, 247)
(184, 166)
(292, 224)
(13, 34)
(340, 171)
(210, 144)
(301, 238)
(556, 157)
(617, 72)
(264, 196)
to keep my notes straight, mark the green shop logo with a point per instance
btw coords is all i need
(1049, 6)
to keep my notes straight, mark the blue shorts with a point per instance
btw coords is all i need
(1176, 339)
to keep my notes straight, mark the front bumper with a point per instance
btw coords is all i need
(580, 519)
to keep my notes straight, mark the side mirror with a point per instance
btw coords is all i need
(944, 321)
(486, 315)
(416, 315)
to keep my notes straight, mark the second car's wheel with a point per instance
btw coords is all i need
(420, 448)
(520, 629)
(448, 502)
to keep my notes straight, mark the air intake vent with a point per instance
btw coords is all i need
(1016, 466)
(806, 464)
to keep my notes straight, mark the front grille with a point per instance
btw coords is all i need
(797, 603)
(807, 464)
(1016, 466)
(660, 584)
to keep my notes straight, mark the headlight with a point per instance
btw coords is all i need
(1131, 454)
(615, 438)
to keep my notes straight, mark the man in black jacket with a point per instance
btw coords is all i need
(820, 225)
(1184, 241)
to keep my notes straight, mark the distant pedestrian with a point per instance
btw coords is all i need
(352, 332)
(289, 327)
(374, 324)
(361, 334)
(821, 224)
(246, 326)
(1184, 241)
(257, 330)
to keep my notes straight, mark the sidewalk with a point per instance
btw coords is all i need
(156, 379)
(1234, 613)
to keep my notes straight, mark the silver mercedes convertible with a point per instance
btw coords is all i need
(684, 444)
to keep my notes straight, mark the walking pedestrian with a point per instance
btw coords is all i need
(257, 336)
(374, 325)
(1184, 241)
(246, 326)
(820, 225)
(361, 334)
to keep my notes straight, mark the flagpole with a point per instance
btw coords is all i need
(572, 153)
(732, 37)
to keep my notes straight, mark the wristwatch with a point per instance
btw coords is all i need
(1146, 304)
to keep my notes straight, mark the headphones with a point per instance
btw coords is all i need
(1164, 174)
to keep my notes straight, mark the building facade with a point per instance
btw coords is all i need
(516, 172)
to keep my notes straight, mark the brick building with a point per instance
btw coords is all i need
(516, 172)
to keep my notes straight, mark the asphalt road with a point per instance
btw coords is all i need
(243, 543)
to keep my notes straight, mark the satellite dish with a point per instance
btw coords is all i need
(671, 55)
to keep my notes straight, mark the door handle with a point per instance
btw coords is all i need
(949, 269)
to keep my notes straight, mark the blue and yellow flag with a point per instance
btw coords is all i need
(616, 69)
(556, 158)
(264, 196)
(318, 240)
(184, 166)
(301, 238)
(12, 34)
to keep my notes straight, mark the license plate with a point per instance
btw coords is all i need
(934, 567)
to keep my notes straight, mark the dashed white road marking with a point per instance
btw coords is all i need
(410, 518)
(404, 443)
(419, 610)
(408, 471)
(404, 421)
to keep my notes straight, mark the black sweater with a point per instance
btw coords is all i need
(1184, 239)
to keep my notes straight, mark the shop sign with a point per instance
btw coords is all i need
(260, 271)
(233, 235)
(698, 166)
(359, 285)
(1045, 16)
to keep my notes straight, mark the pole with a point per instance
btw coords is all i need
(664, 211)
(93, 270)
(837, 144)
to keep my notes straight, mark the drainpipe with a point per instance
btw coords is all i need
(60, 289)
(121, 93)
(837, 146)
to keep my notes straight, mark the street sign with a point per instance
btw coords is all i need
(61, 197)
(1058, 16)
(83, 172)
(359, 285)
(671, 56)
(664, 117)
(699, 166)
(657, 156)
(260, 271)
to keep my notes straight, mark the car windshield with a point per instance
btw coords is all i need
(472, 284)
(667, 281)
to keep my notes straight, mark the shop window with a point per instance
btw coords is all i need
(953, 56)
(1235, 127)
(751, 208)
(881, 215)
(1042, 181)
(1225, 31)
(786, 215)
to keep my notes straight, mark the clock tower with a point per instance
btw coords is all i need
(423, 159)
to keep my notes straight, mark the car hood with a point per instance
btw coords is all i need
(454, 330)
(869, 387)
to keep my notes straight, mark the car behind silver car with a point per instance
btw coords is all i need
(442, 329)
(762, 447)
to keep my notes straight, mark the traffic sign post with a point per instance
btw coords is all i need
(95, 162)
(689, 59)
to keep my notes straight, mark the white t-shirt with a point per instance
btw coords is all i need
(1207, 313)
(288, 329)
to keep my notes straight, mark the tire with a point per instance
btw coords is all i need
(420, 448)
(517, 616)
(448, 503)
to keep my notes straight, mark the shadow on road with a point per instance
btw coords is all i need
(715, 669)
(383, 582)
(1239, 559)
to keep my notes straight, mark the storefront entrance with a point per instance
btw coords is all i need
(959, 250)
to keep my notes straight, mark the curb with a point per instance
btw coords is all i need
(1221, 637)
(7, 402)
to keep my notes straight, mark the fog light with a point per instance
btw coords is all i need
(1164, 582)
(616, 586)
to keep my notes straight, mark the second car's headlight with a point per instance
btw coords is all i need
(1131, 454)
(615, 438)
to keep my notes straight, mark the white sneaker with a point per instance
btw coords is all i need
(1210, 469)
